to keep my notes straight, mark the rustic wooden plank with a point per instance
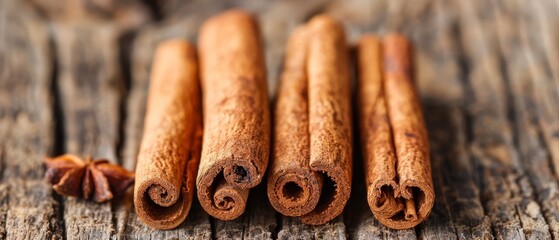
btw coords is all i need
(496, 157)
(525, 70)
(438, 56)
(90, 87)
(292, 228)
(490, 149)
(458, 211)
(491, 140)
(367, 226)
(438, 68)
(457, 194)
(196, 226)
(543, 39)
(262, 217)
(4, 195)
(507, 195)
(546, 19)
(28, 208)
(440, 224)
(94, 121)
(459, 191)
(25, 90)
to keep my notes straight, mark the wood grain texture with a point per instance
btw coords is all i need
(453, 170)
(90, 86)
(522, 68)
(465, 95)
(507, 195)
(541, 18)
(28, 205)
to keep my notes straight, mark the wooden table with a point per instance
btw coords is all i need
(74, 74)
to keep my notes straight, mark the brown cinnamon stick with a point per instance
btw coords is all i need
(170, 149)
(293, 188)
(310, 176)
(393, 134)
(236, 113)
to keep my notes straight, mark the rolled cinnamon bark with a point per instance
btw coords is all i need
(170, 150)
(393, 135)
(236, 113)
(293, 188)
(310, 176)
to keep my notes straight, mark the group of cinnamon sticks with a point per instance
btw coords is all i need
(208, 126)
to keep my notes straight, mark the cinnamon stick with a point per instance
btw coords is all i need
(170, 150)
(393, 135)
(236, 113)
(310, 176)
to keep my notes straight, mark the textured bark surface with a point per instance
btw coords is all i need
(170, 150)
(330, 127)
(310, 176)
(293, 189)
(487, 73)
(393, 133)
(236, 113)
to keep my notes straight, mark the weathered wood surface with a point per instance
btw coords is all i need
(28, 209)
(74, 78)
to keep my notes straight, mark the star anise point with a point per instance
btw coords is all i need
(98, 180)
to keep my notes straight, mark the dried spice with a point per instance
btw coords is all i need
(98, 180)
(310, 173)
(236, 113)
(393, 133)
(169, 155)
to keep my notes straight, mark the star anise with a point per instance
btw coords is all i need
(90, 179)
